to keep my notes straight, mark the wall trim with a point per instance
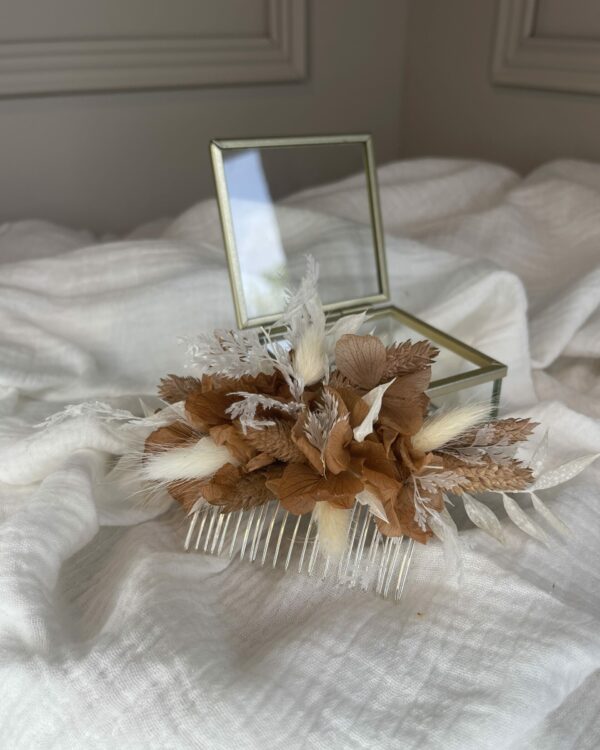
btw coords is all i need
(89, 65)
(523, 59)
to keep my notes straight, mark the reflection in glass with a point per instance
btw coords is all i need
(274, 231)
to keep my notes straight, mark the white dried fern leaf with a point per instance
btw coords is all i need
(281, 360)
(97, 409)
(230, 353)
(245, 409)
(320, 422)
(304, 320)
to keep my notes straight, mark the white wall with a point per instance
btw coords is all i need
(109, 161)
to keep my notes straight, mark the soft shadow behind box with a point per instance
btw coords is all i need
(269, 226)
(267, 236)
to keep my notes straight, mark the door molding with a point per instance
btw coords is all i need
(522, 58)
(54, 66)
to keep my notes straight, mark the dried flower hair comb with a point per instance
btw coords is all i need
(316, 451)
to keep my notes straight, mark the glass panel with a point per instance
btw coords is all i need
(465, 393)
(390, 330)
(275, 227)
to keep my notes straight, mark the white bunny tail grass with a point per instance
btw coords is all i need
(196, 461)
(333, 524)
(446, 426)
(310, 357)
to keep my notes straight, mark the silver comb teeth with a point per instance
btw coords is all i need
(271, 535)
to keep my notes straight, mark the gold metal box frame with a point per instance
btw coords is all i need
(487, 370)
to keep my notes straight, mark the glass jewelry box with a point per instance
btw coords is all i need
(267, 234)
(272, 217)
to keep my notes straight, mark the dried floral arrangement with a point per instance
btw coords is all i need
(324, 420)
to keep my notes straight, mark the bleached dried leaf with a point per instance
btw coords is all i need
(518, 516)
(483, 517)
(443, 526)
(551, 518)
(538, 459)
(348, 324)
(373, 503)
(563, 473)
(373, 400)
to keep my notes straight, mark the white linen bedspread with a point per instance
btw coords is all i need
(111, 636)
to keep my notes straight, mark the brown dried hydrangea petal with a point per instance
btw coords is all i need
(387, 436)
(359, 412)
(259, 461)
(248, 492)
(335, 453)
(171, 436)
(311, 454)
(401, 518)
(233, 439)
(349, 394)
(175, 388)
(414, 460)
(361, 359)
(205, 410)
(300, 486)
(405, 403)
(222, 484)
(376, 469)
(187, 492)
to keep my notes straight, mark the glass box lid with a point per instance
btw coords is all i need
(268, 232)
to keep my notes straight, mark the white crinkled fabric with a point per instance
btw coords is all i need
(111, 636)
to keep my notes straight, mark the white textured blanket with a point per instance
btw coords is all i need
(111, 636)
